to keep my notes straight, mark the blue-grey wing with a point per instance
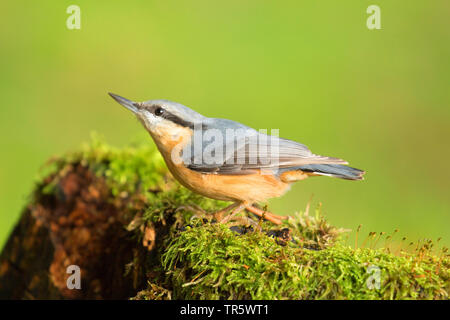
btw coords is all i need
(227, 147)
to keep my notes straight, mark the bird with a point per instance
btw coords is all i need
(246, 169)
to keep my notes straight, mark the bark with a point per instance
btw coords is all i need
(79, 224)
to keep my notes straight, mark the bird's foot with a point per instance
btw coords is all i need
(266, 215)
(237, 207)
(218, 215)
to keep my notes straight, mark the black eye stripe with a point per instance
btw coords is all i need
(153, 108)
(175, 119)
(168, 116)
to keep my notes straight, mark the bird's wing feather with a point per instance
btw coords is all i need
(253, 151)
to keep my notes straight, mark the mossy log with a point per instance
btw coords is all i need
(136, 234)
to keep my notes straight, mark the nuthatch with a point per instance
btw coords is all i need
(252, 172)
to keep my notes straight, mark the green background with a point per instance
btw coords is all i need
(377, 98)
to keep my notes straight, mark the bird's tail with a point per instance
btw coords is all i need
(333, 170)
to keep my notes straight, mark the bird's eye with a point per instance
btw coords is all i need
(159, 111)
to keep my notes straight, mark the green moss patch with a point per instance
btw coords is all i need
(212, 262)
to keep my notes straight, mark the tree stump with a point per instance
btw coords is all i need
(79, 224)
(135, 233)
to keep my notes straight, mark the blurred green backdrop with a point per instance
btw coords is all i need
(378, 98)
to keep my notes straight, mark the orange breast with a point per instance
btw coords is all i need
(251, 188)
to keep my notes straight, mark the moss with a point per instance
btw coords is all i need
(153, 292)
(126, 170)
(211, 262)
(190, 258)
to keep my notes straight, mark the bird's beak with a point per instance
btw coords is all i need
(130, 105)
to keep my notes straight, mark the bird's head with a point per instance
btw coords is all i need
(163, 119)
